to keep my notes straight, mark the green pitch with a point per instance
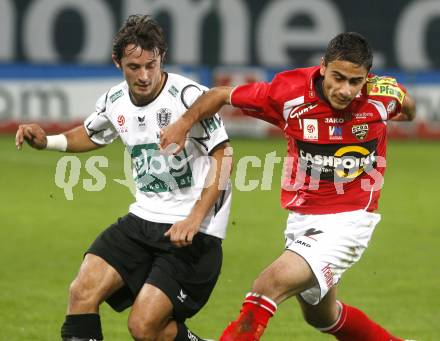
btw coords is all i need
(43, 235)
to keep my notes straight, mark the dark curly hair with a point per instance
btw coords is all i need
(142, 31)
(351, 47)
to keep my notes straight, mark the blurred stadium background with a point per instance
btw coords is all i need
(55, 61)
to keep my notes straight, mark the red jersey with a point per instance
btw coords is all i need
(336, 158)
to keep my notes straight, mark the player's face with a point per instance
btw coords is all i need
(343, 80)
(143, 73)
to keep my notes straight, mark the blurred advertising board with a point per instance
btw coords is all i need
(282, 33)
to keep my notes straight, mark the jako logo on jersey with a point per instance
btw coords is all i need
(163, 117)
(310, 130)
(338, 120)
(300, 242)
(360, 131)
(121, 120)
(182, 296)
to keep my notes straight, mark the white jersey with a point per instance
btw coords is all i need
(167, 187)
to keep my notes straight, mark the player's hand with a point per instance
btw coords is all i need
(182, 233)
(33, 134)
(172, 137)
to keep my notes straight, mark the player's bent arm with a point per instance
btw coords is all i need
(74, 140)
(216, 181)
(182, 232)
(408, 112)
(79, 141)
(204, 107)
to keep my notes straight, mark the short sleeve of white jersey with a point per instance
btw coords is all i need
(210, 132)
(98, 127)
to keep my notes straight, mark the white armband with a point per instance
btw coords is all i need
(57, 142)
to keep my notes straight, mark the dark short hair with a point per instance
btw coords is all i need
(351, 47)
(142, 31)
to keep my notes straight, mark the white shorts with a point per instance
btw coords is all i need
(330, 244)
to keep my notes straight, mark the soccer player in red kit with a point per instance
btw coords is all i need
(334, 118)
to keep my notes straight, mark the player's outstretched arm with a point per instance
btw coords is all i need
(408, 112)
(79, 141)
(74, 140)
(183, 232)
(205, 106)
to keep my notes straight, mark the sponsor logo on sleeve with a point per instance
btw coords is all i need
(388, 90)
(116, 95)
(391, 107)
(173, 91)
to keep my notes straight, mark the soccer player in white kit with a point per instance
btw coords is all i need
(164, 257)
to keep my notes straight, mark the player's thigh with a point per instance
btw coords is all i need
(323, 314)
(96, 279)
(287, 276)
(152, 311)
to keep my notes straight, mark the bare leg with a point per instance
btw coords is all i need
(150, 316)
(96, 280)
(287, 276)
(325, 313)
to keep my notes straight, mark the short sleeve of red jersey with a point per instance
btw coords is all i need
(254, 100)
(389, 92)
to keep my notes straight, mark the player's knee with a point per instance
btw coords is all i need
(81, 294)
(168, 333)
(142, 329)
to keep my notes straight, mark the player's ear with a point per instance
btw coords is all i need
(116, 61)
(322, 66)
